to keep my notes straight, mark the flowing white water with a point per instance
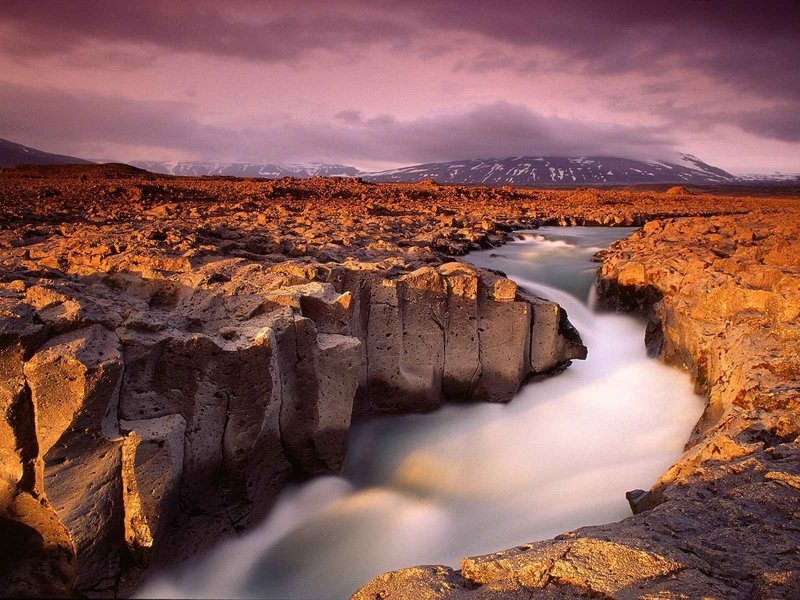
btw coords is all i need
(471, 479)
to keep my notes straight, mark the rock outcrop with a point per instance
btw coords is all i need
(157, 400)
(723, 300)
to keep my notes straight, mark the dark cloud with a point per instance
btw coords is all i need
(495, 130)
(752, 46)
(53, 118)
(493, 61)
(348, 116)
(269, 32)
(777, 122)
(48, 118)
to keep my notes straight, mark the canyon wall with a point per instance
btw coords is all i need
(722, 296)
(154, 406)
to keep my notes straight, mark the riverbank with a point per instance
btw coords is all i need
(722, 296)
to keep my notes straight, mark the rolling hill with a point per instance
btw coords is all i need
(13, 155)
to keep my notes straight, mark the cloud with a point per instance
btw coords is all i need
(751, 46)
(777, 122)
(71, 122)
(273, 32)
(740, 51)
(494, 130)
(774, 121)
(351, 117)
(493, 60)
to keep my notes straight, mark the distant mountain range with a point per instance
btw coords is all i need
(517, 170)
(13, 154)
(538, 170)
(265, 170)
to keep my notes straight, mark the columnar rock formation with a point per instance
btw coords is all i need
(723, 299)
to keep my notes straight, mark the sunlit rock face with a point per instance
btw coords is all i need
(457, 332)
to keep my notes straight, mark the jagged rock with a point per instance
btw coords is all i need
(462, 364)
(228, 394)
(554, 341)
(19, 335)
(152, 468)
(457, 332)
(338, 366)
(37, 553)
(416, 582)
(504, 340)
(599, 566)
(405, 342)
(74, 381)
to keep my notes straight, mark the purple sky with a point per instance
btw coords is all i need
(378, 84)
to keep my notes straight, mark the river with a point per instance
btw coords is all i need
(474, 478)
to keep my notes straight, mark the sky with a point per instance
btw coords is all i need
(378, 84)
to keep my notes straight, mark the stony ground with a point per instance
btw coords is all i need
(174, 350)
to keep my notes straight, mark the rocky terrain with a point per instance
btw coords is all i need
(174, 350)
(723, 299)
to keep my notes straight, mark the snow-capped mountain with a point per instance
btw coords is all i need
(519, 170)
(265, 170)
(529, 170)
(13, 154)
(775, 177)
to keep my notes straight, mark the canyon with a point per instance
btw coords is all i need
(175, 350)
